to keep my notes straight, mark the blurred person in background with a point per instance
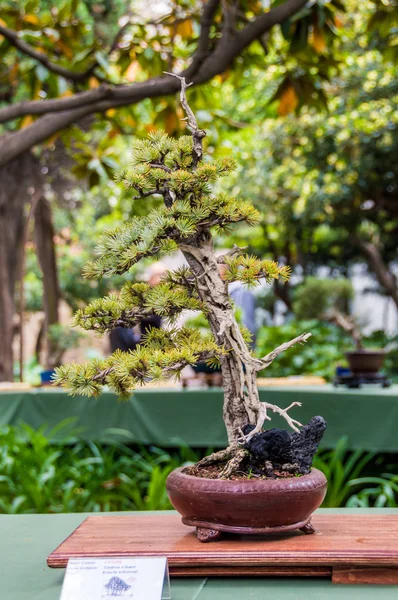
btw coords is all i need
(245, 301)
(126, 339)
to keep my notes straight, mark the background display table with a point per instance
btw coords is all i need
(171, 417)
(26, 540)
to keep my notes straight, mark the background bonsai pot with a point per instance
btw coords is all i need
(246, 505)
(46, 377)
(365, 362)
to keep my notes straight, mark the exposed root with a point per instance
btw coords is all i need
(234, 454)
(220, 456)
(233, 464)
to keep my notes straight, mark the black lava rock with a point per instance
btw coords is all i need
(280, 447)
(272, 445)
(305, 443)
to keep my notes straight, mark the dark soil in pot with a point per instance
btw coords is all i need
(215, 471)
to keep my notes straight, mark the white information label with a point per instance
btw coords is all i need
(108, 578)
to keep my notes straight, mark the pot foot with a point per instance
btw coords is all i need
(207, 535)
(308, 529)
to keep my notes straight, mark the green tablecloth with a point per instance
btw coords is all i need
(368, 417)
(26, 541)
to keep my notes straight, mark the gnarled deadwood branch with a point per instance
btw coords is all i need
(263, 363)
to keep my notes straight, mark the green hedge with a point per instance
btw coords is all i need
(75, 476)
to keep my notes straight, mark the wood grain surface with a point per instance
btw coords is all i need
(347, 548)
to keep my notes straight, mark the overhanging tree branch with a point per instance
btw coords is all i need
(204, 66)
(42, 107)
(230, 46)
(36, 107)
(202, 49)
(28, 50)
(13, 145)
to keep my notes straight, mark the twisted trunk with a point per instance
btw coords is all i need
(241, 400)
(242, 404)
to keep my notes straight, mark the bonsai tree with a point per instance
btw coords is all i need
(328, 300)
(174, 169)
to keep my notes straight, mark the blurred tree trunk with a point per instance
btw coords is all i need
(6, 300)
(21, 181)
(384, 275)
(44, 239)
(282, 292)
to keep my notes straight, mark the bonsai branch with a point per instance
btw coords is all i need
(143, 372)
(264, 362)
(197, 134)
(283, 412)
(232, 252)
(159, 192)
(160, 166)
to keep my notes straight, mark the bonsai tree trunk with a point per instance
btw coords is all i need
(242, 405)
(239, 368)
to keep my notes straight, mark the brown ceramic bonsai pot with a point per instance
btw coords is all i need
(255, 506)
(365, 362)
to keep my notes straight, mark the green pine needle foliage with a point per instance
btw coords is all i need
(163, 354)
(249, 269)
(136, 301)
(162, 166)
